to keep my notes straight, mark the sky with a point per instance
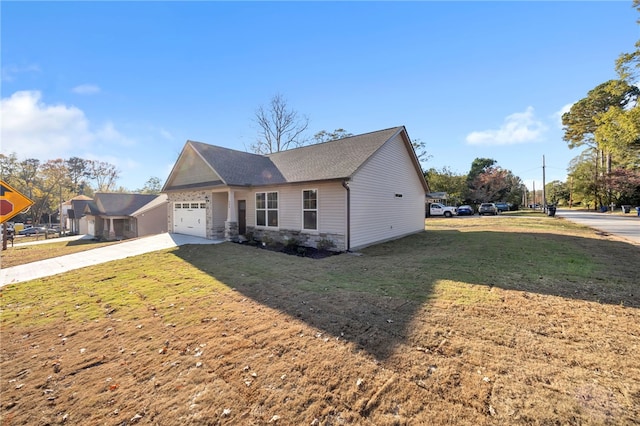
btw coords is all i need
(130, 82)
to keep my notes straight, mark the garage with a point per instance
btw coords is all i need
(190, 218)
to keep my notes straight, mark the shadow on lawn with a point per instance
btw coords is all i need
(372, 299)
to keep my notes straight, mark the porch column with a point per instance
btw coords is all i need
(112, 232)
(105, 226)
(231, 224)
(232, 215)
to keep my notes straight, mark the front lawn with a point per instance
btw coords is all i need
(500, 320)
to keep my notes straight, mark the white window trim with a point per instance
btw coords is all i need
(317, 209)
(267, 209)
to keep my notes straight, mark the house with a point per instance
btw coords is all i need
(73, 211)
(437, 197)
(344, 194)
(115, 215)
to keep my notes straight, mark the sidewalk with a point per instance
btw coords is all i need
(124, 249)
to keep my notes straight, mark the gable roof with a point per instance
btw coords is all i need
(158, 201)
(117, 203)
(333, 160)
(78, 206)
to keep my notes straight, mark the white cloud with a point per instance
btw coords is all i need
(86, 89)
(34, 129)
(8, 72)
(558, 115)
(109, 133)
(520, 127)
(166, 134)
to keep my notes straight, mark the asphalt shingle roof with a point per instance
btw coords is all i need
(337, 159)
(119, 204)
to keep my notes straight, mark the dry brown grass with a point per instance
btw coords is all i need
(474, 322)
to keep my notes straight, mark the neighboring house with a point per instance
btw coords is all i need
(76, 222)
(115, 215)
(437, 197)
(347, 193)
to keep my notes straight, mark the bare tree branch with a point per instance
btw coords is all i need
(279, 128)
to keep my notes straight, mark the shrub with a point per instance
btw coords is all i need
(325, 244)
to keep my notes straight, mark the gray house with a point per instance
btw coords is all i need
(347, 193)
(115, 215)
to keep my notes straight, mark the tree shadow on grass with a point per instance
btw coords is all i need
(371, 299)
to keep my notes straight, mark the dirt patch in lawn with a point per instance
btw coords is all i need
(426, 330)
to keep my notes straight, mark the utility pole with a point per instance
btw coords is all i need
(544, 190)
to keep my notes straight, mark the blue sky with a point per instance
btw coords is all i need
(130, 82)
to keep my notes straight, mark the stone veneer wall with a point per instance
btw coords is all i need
(189, 196)
(303, 239)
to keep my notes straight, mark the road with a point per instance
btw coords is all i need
(625, 226)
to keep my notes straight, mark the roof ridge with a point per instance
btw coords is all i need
(224, 147)
(334, 140)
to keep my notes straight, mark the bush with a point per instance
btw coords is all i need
(325, 244)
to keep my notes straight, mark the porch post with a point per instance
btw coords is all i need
(112, 232)
(231, 224)
(232, 215)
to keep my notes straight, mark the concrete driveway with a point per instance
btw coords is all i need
(625, 226)
(126, 248)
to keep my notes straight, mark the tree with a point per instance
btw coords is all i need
(580, 123)
(151, 186)
(79, 172)
(604, 122)
(444, 180)
(8, 166)
(584, 189)
(420, 148)
(628, 64)
(105, 175)
(478, 166)
(557, 192)
(324, 136)
(279, 128)
(624, 185)
(486, 182)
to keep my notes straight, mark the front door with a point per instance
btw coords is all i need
(242, 217)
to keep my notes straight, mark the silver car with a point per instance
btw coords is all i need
(487, 208)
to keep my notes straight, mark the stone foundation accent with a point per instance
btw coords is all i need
(331, 242)
(231, 231)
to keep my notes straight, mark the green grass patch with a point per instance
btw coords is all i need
(459, 264)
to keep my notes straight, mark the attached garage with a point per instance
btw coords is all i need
(190, 218)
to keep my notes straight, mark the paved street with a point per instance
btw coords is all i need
(626, 226)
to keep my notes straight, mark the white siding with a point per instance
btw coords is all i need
(377, 214)
(332, 217)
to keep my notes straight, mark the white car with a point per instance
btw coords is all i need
(437, 209)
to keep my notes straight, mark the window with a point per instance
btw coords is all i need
(310, 209)
(267, 209)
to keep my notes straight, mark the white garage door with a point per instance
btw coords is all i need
(190, 218)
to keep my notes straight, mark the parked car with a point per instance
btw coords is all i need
(35, 230)
(465, 210)
(502, 207)
(437, 209)
(487, 208)
(10, 230)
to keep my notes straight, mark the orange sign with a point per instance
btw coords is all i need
(12, 202)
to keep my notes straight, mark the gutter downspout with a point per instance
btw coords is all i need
(345, 185)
